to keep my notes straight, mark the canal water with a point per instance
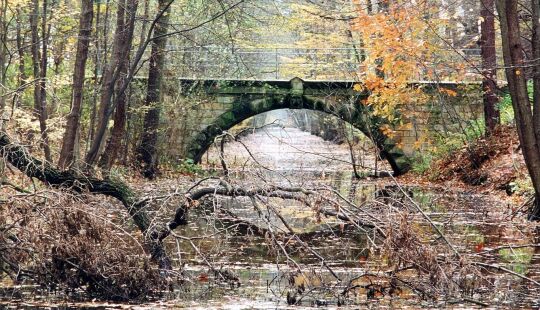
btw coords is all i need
(343, 266)
(476, 225)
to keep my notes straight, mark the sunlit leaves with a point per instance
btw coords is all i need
(448, 91)
(399, 52)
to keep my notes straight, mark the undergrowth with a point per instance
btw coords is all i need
(51, 238)
(472, 137)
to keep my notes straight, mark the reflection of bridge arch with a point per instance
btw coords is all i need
(243, 102)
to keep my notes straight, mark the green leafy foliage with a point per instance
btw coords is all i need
(185, 166)
(517, 259)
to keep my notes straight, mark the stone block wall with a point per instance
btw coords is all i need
(443, 114)
(446, 112)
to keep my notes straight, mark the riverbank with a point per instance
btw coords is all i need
(490, 165)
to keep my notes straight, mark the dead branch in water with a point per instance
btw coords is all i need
(226, 189)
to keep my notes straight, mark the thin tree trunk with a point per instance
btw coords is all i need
(129, 121)
(3, 74)
(70, 150)
(35, 54)
(125, 23)
(21, 76)
(147, 150)
(118, 132)
(144, 27)
(39, 61)
(535, 213)
(109, 156)
(350, 143)
(517, 84)
(536, 67)
(125, 151)
(97, 67)
(107, 83)
(45, 32)
(489, 64)
(3, 52)
(58, 58)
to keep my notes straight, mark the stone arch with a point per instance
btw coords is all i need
(246, 105)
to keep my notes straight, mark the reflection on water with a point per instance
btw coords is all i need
(290, 149)
(473, 223)
(464, 219)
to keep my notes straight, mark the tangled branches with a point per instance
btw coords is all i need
(44, 171)
(57, 240)
(53, 239)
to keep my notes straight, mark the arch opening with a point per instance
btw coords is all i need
(295, 140)
(249, 105)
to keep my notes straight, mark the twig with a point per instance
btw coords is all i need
(15, 187)
(500, 268)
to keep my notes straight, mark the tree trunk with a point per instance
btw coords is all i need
(70, 150)
(112, 148)
(21, 77)
(107, 84)
(489, 64)
(35, 54)
(536, 67)
(147, 150)
(97, 68)
(3, 52)
(525, 115)
(21, 159)
(535, 213)
(45, 33)
(126, 15)
(39, 61)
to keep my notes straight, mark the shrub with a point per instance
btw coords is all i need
(57, 241)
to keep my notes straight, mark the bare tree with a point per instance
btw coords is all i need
(21, 50)
(125, 21)
(527, 116)
(489, 64)
(101, 43)
(110, 154)
(70, 145)
(39, 63)
(147, 150)
(3, 52)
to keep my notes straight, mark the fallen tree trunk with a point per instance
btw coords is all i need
(226, 189)
(245, 227)
(32, 167)
(19, 157)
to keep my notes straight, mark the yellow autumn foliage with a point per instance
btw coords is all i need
(400, 52)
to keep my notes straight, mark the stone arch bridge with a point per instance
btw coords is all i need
(226, 103)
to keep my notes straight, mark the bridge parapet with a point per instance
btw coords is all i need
(323, 64)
